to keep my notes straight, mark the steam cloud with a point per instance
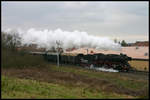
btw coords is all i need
(47, 39)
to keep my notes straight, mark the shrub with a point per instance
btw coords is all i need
(13, 58)
(20, 59)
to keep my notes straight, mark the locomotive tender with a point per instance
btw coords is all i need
(117, 62)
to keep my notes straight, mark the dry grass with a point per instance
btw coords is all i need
(140, 65)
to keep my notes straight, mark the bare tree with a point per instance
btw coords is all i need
(11, 40)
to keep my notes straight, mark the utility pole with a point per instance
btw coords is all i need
(58, 46)
(87, 50)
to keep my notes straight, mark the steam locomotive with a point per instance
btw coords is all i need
(117, 62)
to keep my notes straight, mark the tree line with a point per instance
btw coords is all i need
(122, 43)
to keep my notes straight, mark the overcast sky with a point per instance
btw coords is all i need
(121, 20)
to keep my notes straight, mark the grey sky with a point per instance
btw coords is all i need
(121, 20)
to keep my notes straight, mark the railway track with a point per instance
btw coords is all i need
(135, 74)
(138, 72)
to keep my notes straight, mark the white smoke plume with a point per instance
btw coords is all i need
(47, 39)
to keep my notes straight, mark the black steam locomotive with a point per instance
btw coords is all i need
(117, 62)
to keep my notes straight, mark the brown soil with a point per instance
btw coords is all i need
(69, 79)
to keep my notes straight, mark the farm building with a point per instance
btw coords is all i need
(139, 43)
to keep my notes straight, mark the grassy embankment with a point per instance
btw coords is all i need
(23, 88)
(71, 82)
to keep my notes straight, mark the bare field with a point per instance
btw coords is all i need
(140, 65)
